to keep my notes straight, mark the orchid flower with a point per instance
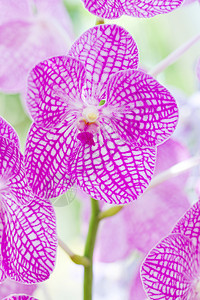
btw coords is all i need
(108, 150)
(171, 269)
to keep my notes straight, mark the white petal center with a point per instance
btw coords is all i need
(91, 113)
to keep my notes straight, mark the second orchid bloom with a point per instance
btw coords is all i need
(108, 150)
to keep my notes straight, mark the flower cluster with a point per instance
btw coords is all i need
(97, 122)
(171, 269)
(27, 223)
(108, 150)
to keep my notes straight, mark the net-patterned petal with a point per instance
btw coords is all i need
(136, 8)
(19, 297)
(170, 268)
(49, 159)
(29, 241)
(113, 170)
(141, 110)
(189, 224)
(54, 90)
(14, 184)
(7, 131)
(104, 50)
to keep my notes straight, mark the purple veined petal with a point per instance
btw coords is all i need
(19, 297)
(140, 109)
(143, 9)
(8, 132)
(140, 225)
(148, 9)
(29, 241)
(9, 287)
(114, 171)
(49, 159)
(54, 90)
(189, 224)
(170, 269)
(12, 10)
(2, 272)
(23, 45)
(105, 50)
(13, 181)
(108, 9)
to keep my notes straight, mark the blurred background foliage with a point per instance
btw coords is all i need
(156, 38)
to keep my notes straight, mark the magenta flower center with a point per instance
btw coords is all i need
(88, 125)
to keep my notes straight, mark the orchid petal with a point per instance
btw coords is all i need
(53, 87)
(10, 287)
(19, 297)
(24, 44)
(189, 224)
(11, 10)
(14, 184)
(49, 159)
(105, 50)
(8, 132)
(55, 10)
(169, 268)
(149, 9)
(109, 9)
(114, 171)
(29, 241)
(141, 110)
(14, 45)
(2, 272)
(142, 9)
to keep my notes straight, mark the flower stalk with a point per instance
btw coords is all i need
(174, 56)
(89, 248)
(77, 259)
(99, 21)
(110, 212)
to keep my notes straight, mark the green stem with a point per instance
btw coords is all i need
(77, 259)
(89, 248)
(110, 212)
